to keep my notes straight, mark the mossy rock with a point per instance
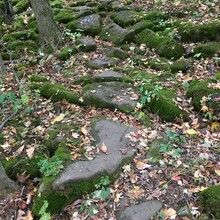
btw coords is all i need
(21, 6)
(116, 52)
(165, 107)
(140, 26)
(67, 52)
(206, 50)
(8, 37)
(9, 56)
(197, 90)
(143, 36)
(54, 137)
(209, 199)
(65, 15)
(57, 92)
(57, 3)
(22, 163)
(37, 78)
(200, 32)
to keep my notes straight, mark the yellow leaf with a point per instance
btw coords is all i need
(191, 132)
(84, 130)
(58, 119)
(217, 170)
(170, 212)
(215, 126)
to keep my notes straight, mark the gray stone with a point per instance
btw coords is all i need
(143, 211)
(113, 95)
(7, 186)
(86, 44)
(116, 52)
(113, 136)
(185, 211)
(90, 25)
(101, 62)
(116, 34)
(108, 75)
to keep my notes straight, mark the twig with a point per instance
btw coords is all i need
(8, 119)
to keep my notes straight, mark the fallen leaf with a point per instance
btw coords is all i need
(104, 148)
(141, 166)
(84, 130)
(20, 149)
(58, 119)
(30, 152)
(215, 126)
(191, 132)
(170, 213)
(217, 170)
(75, 135)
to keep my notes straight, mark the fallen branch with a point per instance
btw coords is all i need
(8, 119)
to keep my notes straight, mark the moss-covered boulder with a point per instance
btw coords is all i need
(116, 34)
(67, 52)
(116, 52)
(140, 26)
(206, 50)
(57, 92)
(165, 46)
(90, 25)
(86, 44)
(209, 199)
(80, 177)
(102, 62)
(200, 32)
(21, 6)
(206, 88)
(163, 105)
(38, 78)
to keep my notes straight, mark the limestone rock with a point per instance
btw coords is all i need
(87, 44)
(101, 62)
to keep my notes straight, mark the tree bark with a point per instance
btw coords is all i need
(47, 27)
(2, 66)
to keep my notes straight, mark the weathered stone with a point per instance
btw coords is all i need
(7, 186)
(80, 177)
(102, 62)
(90, 24)
(113, 95)
(86, 44)
(116, 52)
(143, 211)
(184, 211)
(116, 34)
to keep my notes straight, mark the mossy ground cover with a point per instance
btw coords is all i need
(178, 48)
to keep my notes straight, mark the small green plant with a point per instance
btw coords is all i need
(146, 94)
(102, 191)
(51, 167)
(43, 213)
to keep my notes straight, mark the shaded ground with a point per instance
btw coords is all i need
(175, 181)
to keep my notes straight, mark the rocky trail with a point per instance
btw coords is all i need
(121, 122)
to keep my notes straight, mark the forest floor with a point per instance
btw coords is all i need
(173, 181)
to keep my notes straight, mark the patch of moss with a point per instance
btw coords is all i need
(199, 89)
(63, 152)
(140, 26)
(22, 5)
(57, 92)
(66, 53)
(209, 199)
(200, 32)
(2, 138)
(207, 50)
(37, 78)
(65, 15)
(9, 56)
(116, 52)
(8, 37)
(165, 107)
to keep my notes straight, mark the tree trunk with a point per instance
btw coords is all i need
(7, 12)
(47, 27)
(7, 186)
(2, 66)
(8, 7)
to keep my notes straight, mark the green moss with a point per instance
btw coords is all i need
(57, 92)
(200, 32)
(207, 50)
(140, 26)
(59, 199)
(165, 107)
(21, 6)
(66, 53)
(2, 138)
(63, 152)
(9, 56)
(158, 64)
(116, 52)
(37, 78)
(199, 89)
(8, 37)
(209, 199)
(65, 15)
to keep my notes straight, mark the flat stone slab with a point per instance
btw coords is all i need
(113, 95)
(143, 211)
(110, 133)
(87, 44)
(101, 62)
(108, 75)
